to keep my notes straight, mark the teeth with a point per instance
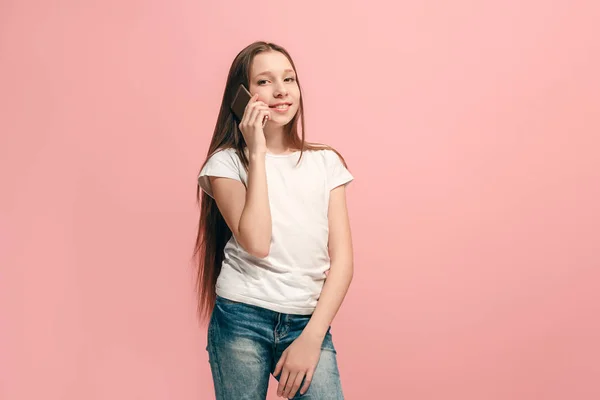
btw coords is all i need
(282, 106)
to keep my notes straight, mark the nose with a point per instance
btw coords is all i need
(280, 90)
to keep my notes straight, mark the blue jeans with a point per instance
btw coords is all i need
(244, 344)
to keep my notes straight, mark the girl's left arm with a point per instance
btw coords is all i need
(342, 266)
(300, 359)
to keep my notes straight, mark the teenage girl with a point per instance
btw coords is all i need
(274, 246)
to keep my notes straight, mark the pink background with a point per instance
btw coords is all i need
(472, 130)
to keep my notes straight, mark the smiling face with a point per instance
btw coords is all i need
(272, 77)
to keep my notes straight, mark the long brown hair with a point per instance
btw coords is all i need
(213, 232)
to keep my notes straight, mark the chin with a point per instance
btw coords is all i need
(281, 122)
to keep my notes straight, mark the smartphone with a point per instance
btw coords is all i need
(241, 99)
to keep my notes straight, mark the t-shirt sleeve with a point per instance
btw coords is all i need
(221, 164)
(337, 173)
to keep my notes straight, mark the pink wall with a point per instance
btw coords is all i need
(473, 133)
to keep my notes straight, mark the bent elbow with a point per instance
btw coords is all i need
(256, 243)
(259, 252)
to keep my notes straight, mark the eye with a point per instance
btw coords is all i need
(261, 82)
(290, 79)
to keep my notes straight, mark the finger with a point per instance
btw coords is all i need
(289, 384)
(245, 117)
(307, 381)
(280, 363)
(263, 118)
(256, 116)
(296, 384)
(251, 116)
(251, 102)
(249, 107)
(282, 381)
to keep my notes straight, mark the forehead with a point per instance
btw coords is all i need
(273, 61)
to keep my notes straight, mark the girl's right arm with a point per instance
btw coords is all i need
(247, 212)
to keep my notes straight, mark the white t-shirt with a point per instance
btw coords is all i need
(289, 280)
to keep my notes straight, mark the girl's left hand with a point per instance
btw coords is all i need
(299, 359)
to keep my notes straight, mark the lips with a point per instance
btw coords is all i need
(281, 106)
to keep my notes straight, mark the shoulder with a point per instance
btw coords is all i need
(224, 155)
(225, 158)
(335, 168)
(330, 156)
(223, 163)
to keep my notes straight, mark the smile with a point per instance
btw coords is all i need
(281, 107)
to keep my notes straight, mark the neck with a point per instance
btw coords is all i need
(277, 141)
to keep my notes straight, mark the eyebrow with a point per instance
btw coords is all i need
(271, 73)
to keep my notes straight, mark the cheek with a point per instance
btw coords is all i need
(264, 97)
(262, 93)
(295, 91)
(297, 99)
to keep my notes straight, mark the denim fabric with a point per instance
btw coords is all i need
(244, 344)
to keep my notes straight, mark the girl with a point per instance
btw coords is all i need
(273, 226)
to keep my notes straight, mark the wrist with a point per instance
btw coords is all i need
(315, 332)
(255, 154)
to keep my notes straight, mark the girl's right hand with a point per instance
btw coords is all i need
(252, 125)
